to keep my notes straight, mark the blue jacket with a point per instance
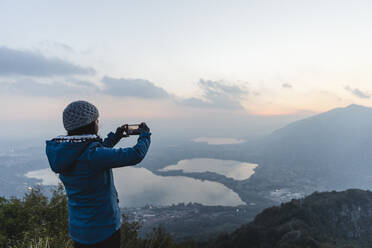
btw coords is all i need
(84, 164)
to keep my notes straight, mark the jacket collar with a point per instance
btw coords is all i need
(77, 138)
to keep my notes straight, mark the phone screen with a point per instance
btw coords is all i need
(133, 127)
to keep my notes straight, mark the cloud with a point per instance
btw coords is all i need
(25, 63)
(217, 95)
(287, 86)
(138, 88)
(357, 92)
(63, 46)
(34, 88)
(55, 45)
(132, 87)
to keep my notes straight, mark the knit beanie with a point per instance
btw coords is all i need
(78, 114)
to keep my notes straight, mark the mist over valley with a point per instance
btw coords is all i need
(329, 151)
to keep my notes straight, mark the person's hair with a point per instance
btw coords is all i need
(91, 128)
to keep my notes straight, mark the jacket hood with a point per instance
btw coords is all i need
(63, 151)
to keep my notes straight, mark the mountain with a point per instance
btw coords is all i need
(328, 151)
(321, 220)
(332, 150)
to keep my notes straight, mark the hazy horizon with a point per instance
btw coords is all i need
(237, 63)
(195, 71)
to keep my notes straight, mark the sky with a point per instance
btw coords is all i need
(208, 61)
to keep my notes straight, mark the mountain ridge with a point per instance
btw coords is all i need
(352, 108)
(334, 147)
(328, 219)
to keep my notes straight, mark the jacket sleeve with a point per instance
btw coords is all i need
(111, 140)
(102, 158)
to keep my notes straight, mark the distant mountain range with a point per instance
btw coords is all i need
(332, 150)
(328, 151)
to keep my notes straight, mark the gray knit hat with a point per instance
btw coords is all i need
(78, 114)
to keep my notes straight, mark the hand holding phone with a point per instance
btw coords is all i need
(143, 127)
(135, 129)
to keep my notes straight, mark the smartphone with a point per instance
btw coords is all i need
(133, 129)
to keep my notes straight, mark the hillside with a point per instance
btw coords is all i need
(321, 220)
(39, 221)
(329, 151)
(331, 219)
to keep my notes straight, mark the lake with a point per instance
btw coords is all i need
(138, 186)
(233, 169)
(218, 141)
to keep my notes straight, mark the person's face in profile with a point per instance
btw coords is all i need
(96, 127)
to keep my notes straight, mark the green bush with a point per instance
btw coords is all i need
(38, 222)
(35, 220)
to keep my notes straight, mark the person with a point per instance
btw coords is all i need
(84, 162)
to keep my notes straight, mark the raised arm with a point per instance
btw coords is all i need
(113, 138)
(102, 158)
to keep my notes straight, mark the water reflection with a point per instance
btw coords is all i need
(229, 168)
(139, 186)
(218, 141)
(46, 176)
